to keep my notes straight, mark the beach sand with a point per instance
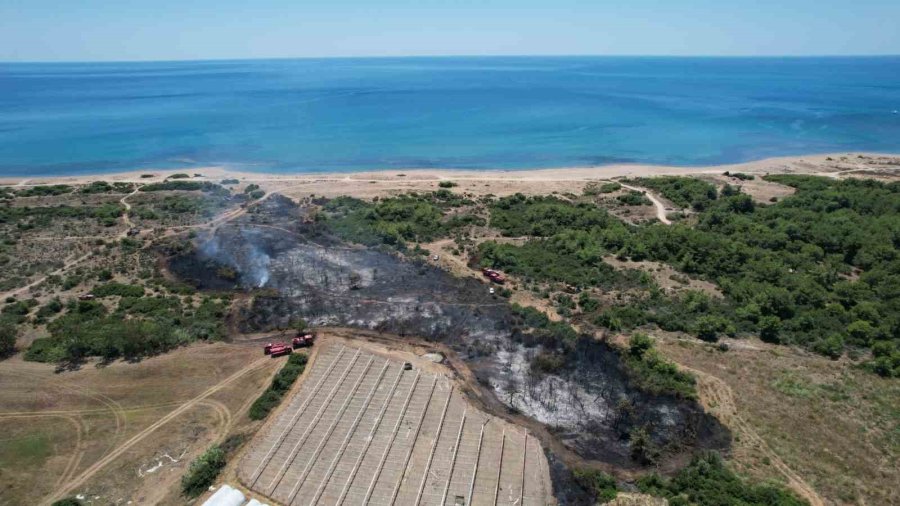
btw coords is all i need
(497, 182)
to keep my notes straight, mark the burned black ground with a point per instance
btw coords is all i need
(293, 268)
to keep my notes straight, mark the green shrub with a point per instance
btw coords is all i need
(282, 382)
(886, 360)
(203, 472)
(601, 485)
(45, 190)
(610, 187)
(155, 326)
(711, 327)
(741, 176)
(634, 198)
(203, 186)
(68, 501)
(51, 308)
(706, 481)
(394, 221)
(569, 257)
(683, 191)
(264, 404)
(447, 184)
(518, 215)
(652, 373)
(104, 187)
(8, 335)
(120, 289)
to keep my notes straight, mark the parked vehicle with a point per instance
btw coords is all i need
(495, 276)
(303, 339)
(277, 349)
(280, 349)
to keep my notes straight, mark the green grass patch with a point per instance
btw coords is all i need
(28, 450)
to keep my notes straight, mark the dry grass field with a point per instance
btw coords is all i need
(123, 432)
(834, 427)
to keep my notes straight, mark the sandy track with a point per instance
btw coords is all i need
(113, 455)
(125, 216)
(660, 208)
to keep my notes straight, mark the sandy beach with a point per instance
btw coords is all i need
(481, 182)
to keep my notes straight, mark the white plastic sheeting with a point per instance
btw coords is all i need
(254, 502)
(226, 496)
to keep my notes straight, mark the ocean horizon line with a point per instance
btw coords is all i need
(773, 56)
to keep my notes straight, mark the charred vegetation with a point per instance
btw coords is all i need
(293, 267)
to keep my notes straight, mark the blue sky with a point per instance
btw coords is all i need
(88, 30)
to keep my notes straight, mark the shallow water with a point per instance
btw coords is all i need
(312, 115)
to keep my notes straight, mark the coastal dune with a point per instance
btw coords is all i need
(481, 182)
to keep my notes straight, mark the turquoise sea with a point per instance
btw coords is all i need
(310, 115)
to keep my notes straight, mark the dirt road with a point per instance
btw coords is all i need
(660, 208)
(125, 216)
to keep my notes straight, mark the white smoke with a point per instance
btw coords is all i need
(246, 258)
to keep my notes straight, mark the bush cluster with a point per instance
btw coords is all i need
(818, 269)
(396, 221)
(282, 382)
(180, 185)
(683, 191)
(203, 472)
(652, 373)
(139, 327)
(599, 484)
(706, 481)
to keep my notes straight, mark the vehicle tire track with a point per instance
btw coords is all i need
(110, 457)
(113, 406)
(222, 410)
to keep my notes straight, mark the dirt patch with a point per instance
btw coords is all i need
(759, 189)
(669, 279)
